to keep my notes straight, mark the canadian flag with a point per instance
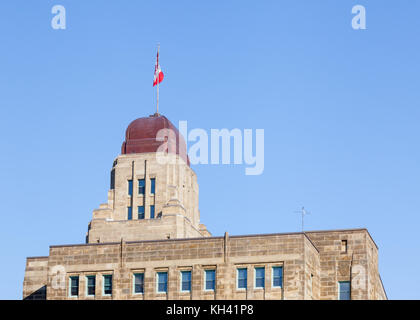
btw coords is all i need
(158, 77)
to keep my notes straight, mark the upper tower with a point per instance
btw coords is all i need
(154, 192)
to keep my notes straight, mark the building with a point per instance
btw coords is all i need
(147, 242)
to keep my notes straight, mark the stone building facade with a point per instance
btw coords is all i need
(147, 242)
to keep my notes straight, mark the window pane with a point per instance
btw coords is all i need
(162, 281)
(259, 277)
(141, 186)
(152, 185)
(152, 212)
(140, 210)
(74, 286)
(130, 187)
(242, 278)
(210, 279)
(277, 276)
(186, 280)
(91, 284)
(139, 283)
(344, 288)
(129, 213)
(108, 284)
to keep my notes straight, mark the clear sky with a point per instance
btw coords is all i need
(340, 109)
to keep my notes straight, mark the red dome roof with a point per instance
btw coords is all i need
(140, 137)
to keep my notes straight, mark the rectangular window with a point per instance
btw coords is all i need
(344, 287)
(210, 280)
(242, 278)
(90, 285)
(107, 285)
(162, 282)
(139, 283)
(74, 286)
(152, 212)
(129, 213)
(152, 185)
(186, 281)
(278, 277)
(140, 211)
(142, 186)
(344, 246)
(260, 277)
(130, 187)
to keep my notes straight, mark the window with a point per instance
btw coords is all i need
(242, 278)
(74, 286)
(139, 283)
(277, 277)
(141, 186)
(152, 212)
(162, 282)
(210, 280)
(343, 246)
(129, 213)
(90, 285)
(260, 277)
(107, 285)
(140, 211)
(186, 281)
(152, 185)
(130, 187)
(344, 287)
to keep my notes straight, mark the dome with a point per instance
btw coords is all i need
(140, 137)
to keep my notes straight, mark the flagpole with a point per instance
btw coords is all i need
(157, 80)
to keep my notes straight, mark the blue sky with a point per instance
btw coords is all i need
(340, 109)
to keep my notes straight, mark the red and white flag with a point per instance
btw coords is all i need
(158, 77)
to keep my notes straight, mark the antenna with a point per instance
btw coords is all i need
(303, 212)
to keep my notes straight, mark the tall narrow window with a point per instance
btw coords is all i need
(162, 282)
(141, 186)
(344, 246)
(186, 281)
(74, 286)
(139, 283)
(107, 284)
(129, 213)
(140, 211)
(90, 285)
(277, 277)
(210, 280)
(259, 277)
(152, 185)
(130, 187)
(152, 212)
(242, 278)
(344, 287)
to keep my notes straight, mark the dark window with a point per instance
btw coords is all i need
(129, 213)
(210, 279)
(152, 212)
(344, 287)
(90, 285)
(141, 186)
(186, 281)
(139, 283)
(74, 286)
(277, 276)
(242, 278)
(162, 282)
(152, 185)
(259, 277)
(140, 211)
(130, 187)
(108, 284)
